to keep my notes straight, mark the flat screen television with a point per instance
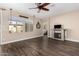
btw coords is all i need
(57, 26)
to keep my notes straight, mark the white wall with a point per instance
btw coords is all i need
(0, 27)
(12, 37)
(69, 21)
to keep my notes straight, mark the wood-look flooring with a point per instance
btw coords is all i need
(40, 47)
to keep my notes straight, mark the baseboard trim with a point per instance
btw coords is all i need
(67, 40)
(3, 43)
(73, 40)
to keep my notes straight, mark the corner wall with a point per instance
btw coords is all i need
(13, 37)
(69, 21)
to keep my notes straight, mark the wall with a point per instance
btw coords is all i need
(69, 21)
(0, 26)
(12, 37)
(46, 25)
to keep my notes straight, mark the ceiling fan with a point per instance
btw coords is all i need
(41, 6)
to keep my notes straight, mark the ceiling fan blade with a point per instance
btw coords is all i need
(45, 4)
(45, 9)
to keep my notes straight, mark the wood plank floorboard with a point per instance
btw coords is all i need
(40, 47)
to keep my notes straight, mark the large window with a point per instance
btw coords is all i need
(17, 24)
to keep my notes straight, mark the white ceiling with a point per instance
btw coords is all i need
(57, 9)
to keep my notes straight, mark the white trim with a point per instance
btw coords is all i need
(73, 40)
(1, 27)
(19, 40)
(68, 39)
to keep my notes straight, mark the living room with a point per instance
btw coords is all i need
(39, 29)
